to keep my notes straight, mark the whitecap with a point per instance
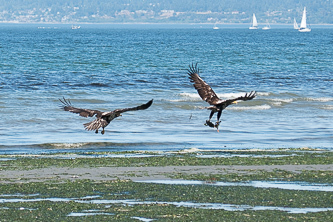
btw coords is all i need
(282, 100)
(67, 145)
(263, 93)
(231, 95)
(320, 99)
(221, 95)
(277, 103)
(191, 150)
(328, 107)
(261, 107)
(191, 95)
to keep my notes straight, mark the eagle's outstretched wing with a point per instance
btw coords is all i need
(205, 91)
(248, 96)
(141, 107)
(67, 106)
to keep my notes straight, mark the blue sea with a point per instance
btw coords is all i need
(110, 66)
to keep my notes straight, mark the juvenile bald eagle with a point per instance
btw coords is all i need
(206, 93)
(102, 118)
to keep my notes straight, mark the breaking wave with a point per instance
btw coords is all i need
(261, 107)
(321, 99)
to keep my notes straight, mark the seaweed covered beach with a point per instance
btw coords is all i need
(188, 185)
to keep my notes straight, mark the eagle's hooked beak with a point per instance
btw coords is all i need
(234, 102)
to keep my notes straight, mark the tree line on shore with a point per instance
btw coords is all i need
(224, 11)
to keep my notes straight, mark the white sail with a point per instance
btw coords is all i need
(303, 27)
(254, 22)
(295, 24)
(303, 23)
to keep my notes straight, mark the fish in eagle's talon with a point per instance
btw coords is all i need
(209, 123)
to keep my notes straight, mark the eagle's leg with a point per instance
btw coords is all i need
(218, 120)
(103, 131)
(211, 115)
(96, 131)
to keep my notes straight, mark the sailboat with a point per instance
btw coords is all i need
(295, 24)
(76, 27)
(267, 27)
(303, 27)
(254, 22)
(215, 27)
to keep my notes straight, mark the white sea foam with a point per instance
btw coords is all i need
(260, 107)
(67, 145)
(221, 95)
(282, 100)
(320, 99)
(190, 96)
(277, 103)
(263, 93)
(328, 107)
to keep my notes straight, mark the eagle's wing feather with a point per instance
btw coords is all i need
(248, 96)
(205, 91)
(141, 107)
(67, 106)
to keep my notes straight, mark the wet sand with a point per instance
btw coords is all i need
(142, 173)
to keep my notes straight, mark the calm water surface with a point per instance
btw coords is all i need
(115, 66)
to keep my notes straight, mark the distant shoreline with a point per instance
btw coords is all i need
(152, 23)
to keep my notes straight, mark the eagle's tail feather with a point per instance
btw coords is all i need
(95, 124)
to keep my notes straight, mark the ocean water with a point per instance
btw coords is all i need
(106, 67)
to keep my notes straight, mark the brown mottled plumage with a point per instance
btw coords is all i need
(102, 118)
(207, 94)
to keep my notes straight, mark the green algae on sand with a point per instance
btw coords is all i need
(30, 191)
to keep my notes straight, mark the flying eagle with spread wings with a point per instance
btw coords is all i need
(102, 118)
(207, 94)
